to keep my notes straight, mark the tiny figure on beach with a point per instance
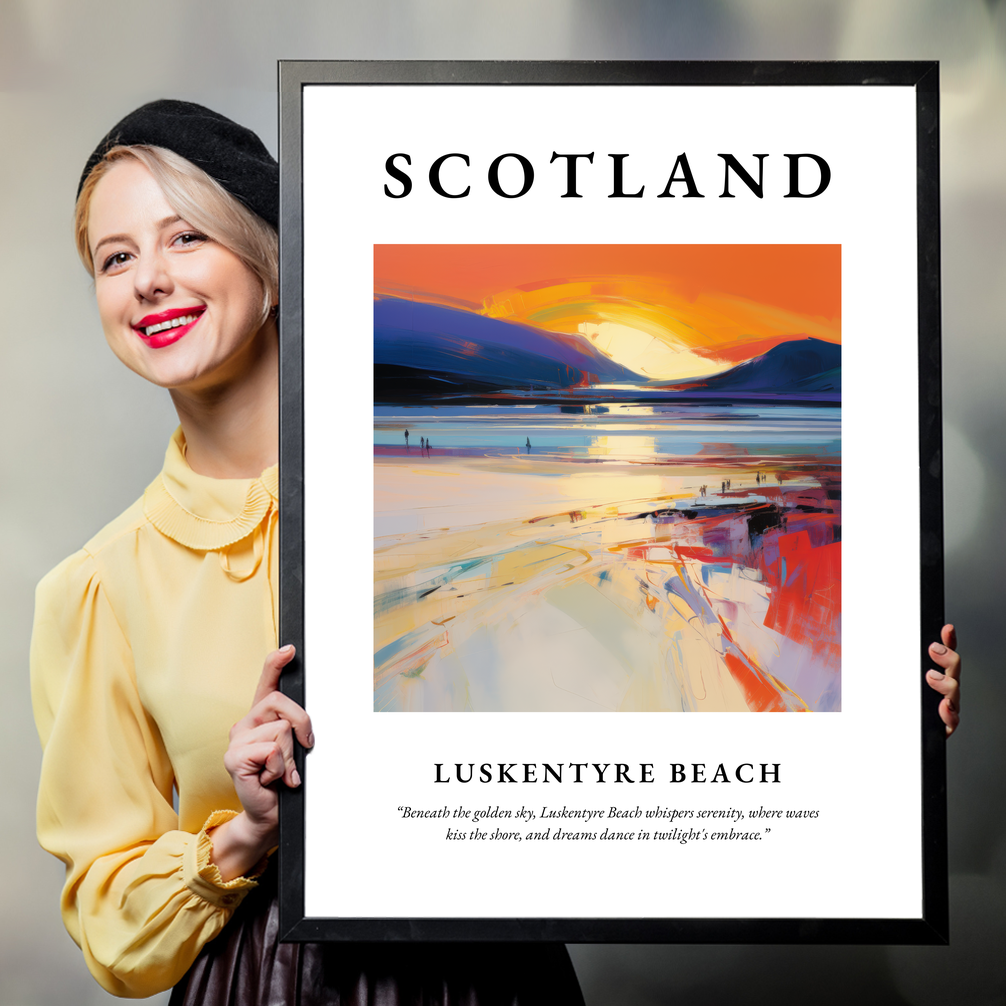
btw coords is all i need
(406, 438)
(528, 445)
(422, 443)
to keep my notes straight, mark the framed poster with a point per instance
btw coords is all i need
(610, 393)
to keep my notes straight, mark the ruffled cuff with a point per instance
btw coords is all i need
(203, 878)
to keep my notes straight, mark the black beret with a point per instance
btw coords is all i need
(231, 154)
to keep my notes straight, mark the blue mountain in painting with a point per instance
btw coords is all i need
(427, 351)
(799, 366)
(425, 348)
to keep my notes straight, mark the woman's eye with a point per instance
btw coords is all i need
(114, 261)
(190, 238)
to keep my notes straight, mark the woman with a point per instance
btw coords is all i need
(148, 643)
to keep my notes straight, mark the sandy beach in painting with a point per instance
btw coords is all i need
(616, 580)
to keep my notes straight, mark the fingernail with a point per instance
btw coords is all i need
(310, 740)
(936, 676)
(938, 648)
(295, 777)
(287, 649)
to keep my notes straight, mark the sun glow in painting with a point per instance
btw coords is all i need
(607, 478)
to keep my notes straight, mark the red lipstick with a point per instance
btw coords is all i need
(165, 333)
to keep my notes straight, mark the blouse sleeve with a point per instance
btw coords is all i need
(141, 898)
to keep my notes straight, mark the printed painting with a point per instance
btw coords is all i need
(607, 478)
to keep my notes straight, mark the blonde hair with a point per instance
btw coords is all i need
(199, 200)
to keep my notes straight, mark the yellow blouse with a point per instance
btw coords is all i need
(147, 647)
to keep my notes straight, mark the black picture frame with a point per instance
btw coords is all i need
(932, 925)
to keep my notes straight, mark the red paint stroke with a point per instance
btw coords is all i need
(763, 692)
(801, 278)
(695, 552)
(807, 594)
(759, 694)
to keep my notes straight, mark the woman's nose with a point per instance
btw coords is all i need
(152, 277)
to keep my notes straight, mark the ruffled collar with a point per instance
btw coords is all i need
(203, 513)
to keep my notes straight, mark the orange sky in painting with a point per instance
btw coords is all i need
(665, 311)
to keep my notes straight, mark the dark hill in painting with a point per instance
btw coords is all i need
(426, 352)
(800, 366)
(424, 349)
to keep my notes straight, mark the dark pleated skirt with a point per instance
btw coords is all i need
(246, 965)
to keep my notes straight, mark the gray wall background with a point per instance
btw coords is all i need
(82, 436)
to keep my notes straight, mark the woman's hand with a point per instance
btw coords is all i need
(947, 682)
(260, 753)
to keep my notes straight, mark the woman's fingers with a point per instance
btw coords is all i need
(277, 735)
(949, 710)
(261, 761)
(270, 703)
(261, 749)
(947, 686)
(947, 680)
(949, 636)
(948, 660)
(274, 766)
(950, 716)
(271, 671)
(277, 706)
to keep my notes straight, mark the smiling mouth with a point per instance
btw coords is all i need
(167, 327)
(164, 326)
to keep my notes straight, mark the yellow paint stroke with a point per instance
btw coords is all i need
(650, 328)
